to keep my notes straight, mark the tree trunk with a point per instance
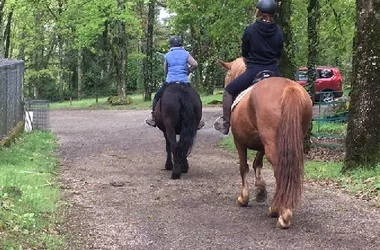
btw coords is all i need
(21, 53)
(80, 73)
(312, 25)
(7, 34)
(197, 54)
(60, 55)
(148, 67)
(286, 64)
(60, 70)
(363, 132)
(2, 4)
(120, 53)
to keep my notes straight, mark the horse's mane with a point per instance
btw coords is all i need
(238, 67)
(235, 68)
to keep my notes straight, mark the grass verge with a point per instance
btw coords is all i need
(138, 103)
(29, 194)
(362, 183)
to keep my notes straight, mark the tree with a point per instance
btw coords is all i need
(286, 64)
(212, 29)
(312, 24)
(2, 4)
(7, 34)
(363, 132)
(148, 63)
(119, 51)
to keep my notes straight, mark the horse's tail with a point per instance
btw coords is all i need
(289, 169)
(189, 123)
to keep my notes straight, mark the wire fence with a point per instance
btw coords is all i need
(330, 122)
(11, 95)
(38, 113)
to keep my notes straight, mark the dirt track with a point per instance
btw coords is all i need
(199, 211)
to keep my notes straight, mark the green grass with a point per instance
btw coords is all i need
(363, 183)
(138, 103)
(90, 103)
(210, 100)
(330, 128)
(75, 104)
(29, 195)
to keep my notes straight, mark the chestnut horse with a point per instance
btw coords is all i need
(178, 112)
(272, 118)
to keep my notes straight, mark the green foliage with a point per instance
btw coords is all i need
(211, 30)
(84, 20)
(29, 194)
(336, 31)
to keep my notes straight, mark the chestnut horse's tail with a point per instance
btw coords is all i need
(289, 148)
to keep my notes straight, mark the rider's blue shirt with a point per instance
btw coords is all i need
(176, 60)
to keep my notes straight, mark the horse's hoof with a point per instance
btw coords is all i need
(168, 166)
(185, 170)
(176, 176)
(242, 202)
(281, 224)
(261, 196)
(273, 213)
(284, 219)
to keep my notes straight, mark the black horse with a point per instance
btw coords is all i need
(178, 112)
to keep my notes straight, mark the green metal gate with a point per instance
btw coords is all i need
(330, 123)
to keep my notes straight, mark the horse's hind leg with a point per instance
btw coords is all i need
(284, 214)
(244, 169)
(169, 162)
(270, 154)
(185, 165)
(176, 169)
(261, 194)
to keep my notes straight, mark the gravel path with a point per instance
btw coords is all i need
(122, 198)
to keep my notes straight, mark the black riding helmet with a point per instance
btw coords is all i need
(267, 6)
(175, 41)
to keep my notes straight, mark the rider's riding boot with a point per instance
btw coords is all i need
(224, 125)
(201, 124)
(150, 120)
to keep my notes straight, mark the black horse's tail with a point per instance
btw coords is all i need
(189, 122)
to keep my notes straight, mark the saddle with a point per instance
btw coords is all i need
(177, 82)
(260, 76)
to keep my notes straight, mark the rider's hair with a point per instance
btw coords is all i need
(264, 16)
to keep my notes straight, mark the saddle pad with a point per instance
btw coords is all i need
(240, 97)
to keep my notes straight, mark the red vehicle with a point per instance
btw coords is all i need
(328, 85)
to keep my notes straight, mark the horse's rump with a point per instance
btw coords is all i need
(178, 103)
(259, 111)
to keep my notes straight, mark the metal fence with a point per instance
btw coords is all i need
(38, 110)
(11, 95)
(330, 122)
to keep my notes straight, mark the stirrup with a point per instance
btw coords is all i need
(217, 119)
(200, 125)
(222, 128)
(151, 122)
